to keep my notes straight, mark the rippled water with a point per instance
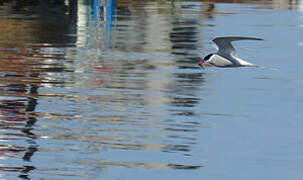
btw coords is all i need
(112, 90)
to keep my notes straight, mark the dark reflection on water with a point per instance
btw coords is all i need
(29, 53)
(86, 87)
(23, 71)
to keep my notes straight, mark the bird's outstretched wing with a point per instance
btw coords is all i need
(225, 48)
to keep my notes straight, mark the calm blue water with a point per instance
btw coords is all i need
(114, 91)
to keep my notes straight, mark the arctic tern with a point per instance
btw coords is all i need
(226, 55)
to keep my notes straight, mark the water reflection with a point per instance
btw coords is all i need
(135, 99)
(21, 78)
(120, 99)
(107, 84)
(25, 65)
(17, 108)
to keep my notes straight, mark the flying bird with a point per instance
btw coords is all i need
(226, 55)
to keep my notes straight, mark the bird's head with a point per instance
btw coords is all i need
(205, 60)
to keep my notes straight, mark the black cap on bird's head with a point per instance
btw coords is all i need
(206, 58)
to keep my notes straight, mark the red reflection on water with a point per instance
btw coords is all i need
(103, 68)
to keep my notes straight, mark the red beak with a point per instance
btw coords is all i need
(201, 64)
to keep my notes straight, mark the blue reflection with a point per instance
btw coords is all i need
(110, 12)
(104, 10)
(96, 9)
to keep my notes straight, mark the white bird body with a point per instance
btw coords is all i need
(230, 61)
(226, 55)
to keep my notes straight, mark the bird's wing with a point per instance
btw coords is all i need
(226, 48)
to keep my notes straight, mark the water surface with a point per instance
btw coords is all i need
(112, 90)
